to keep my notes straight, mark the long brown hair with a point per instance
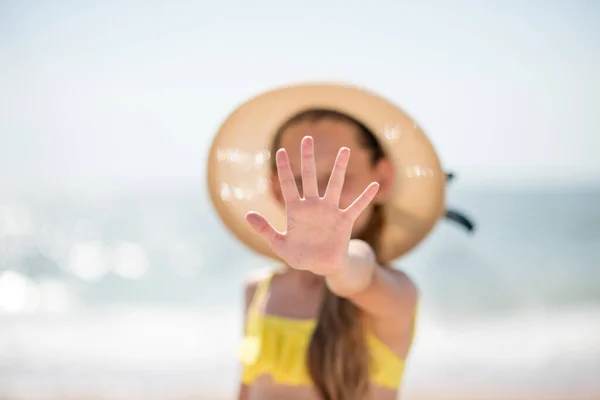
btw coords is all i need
(338, 358)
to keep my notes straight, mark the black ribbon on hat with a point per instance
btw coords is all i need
(457, 216)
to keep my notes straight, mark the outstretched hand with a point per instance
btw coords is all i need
(318, 231)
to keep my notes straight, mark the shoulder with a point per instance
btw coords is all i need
(406, 284)
(254, 279)
(401, 313)
(401, 276)
(251, 283)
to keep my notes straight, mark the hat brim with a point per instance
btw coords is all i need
(238, 168)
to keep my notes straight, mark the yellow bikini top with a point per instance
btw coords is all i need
(277, 346)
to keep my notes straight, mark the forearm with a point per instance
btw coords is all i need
(358, 272)
(383, 293)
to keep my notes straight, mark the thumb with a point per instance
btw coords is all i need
(264, 229)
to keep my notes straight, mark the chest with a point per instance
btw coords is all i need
(286, 300)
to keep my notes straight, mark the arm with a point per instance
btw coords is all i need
(249, 290)
(382, 293)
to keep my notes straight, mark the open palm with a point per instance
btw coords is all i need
(318, 231)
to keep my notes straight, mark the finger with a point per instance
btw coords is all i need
(264, 229)
(309, 169)
(336, 180)
(289, 190)
(362, 201)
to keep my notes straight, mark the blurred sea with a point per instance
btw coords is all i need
(136, 291)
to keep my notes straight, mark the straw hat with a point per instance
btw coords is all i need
(239, 163)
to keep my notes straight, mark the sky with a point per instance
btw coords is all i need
(507, 91)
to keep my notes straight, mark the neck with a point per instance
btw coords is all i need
(305, 278)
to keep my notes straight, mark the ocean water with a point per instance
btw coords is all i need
(136, 292)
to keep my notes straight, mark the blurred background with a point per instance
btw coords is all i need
(117, 280)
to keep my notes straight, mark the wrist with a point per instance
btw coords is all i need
(357, 272)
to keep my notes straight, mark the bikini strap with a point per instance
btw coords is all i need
(262, 289)
(258, 301)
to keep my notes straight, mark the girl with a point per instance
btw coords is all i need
(352, 184)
